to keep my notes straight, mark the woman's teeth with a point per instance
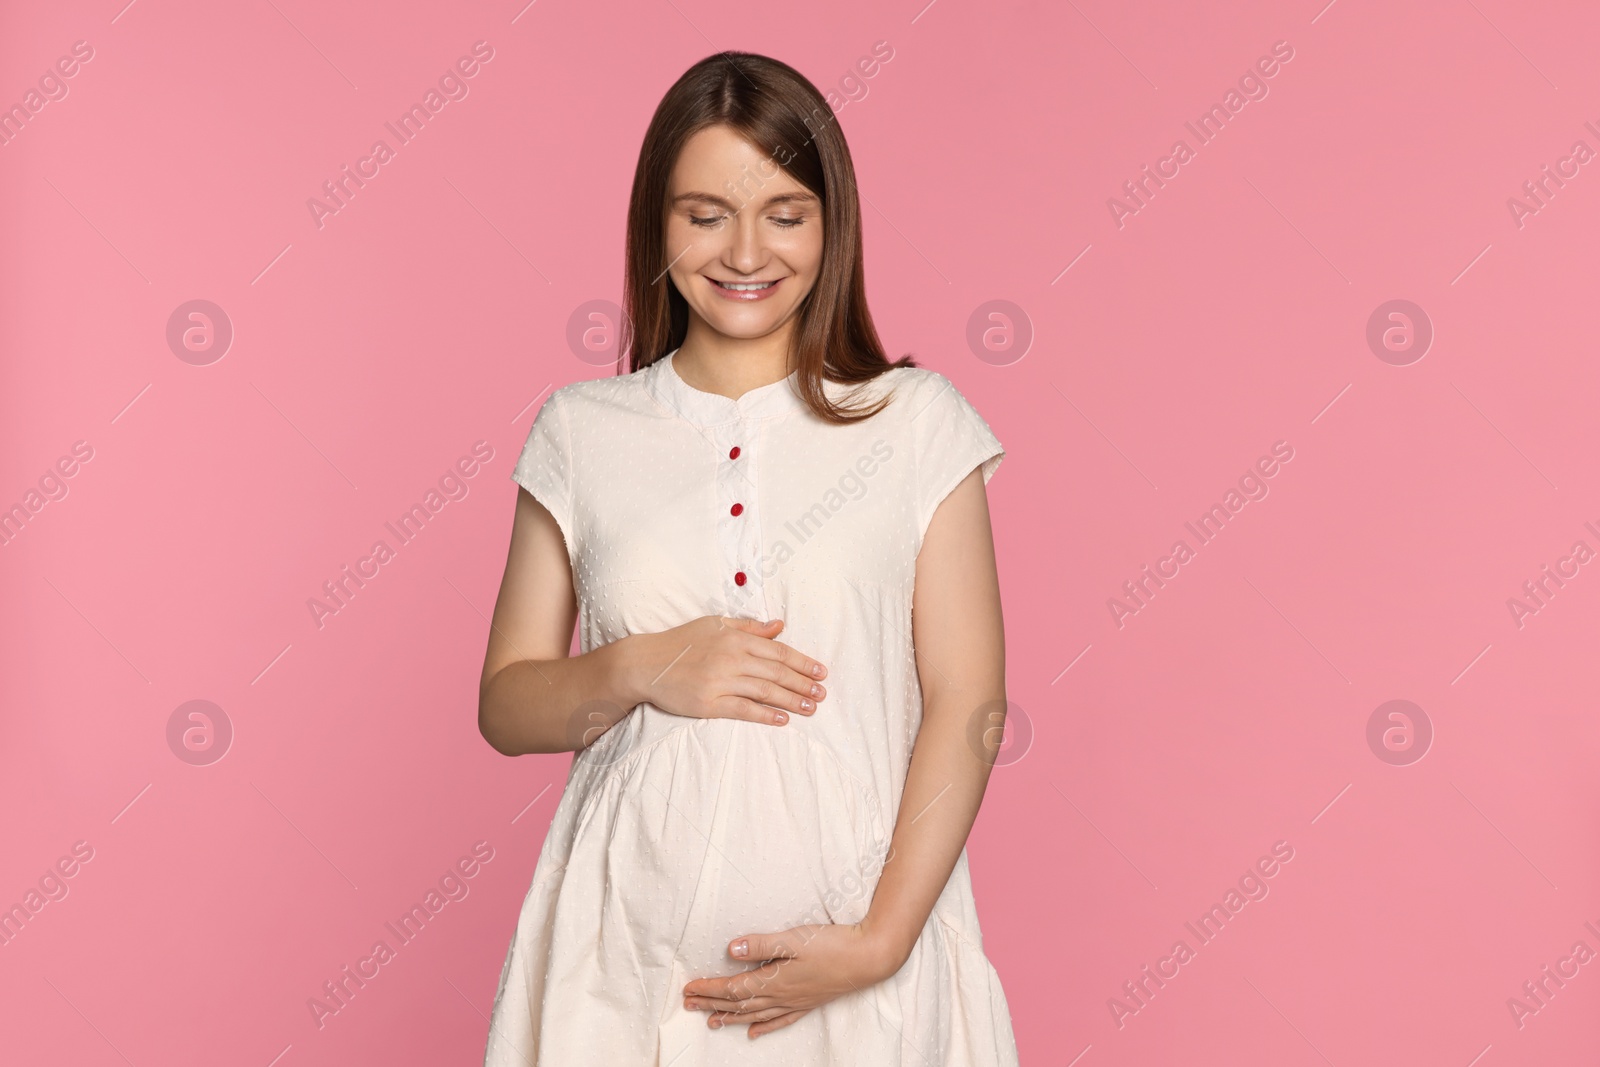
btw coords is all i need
(742, 287)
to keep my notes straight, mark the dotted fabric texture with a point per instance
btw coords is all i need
(675, 835)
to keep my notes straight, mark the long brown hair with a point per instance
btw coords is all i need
(773, 106)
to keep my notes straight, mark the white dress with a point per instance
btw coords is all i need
(674, 834)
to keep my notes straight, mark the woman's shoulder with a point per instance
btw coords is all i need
(892, 381)
(584, 401)
(936, 416)
(912, 390)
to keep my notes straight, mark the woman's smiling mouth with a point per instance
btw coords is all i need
(744, 290)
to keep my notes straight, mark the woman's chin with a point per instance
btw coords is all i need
(744, 327)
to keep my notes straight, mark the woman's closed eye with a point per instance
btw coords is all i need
(784, 221)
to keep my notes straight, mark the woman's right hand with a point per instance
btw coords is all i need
(718, 667)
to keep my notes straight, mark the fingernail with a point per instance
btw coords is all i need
(740, 948)
(816, 670)
(816, 690)
(806, 705)
(780, 718)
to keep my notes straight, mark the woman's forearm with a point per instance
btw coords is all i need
(944, 788)
(560, 705)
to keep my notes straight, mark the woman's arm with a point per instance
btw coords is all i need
(959, 636)
(534, 697)
(531, 687)
(960, 645)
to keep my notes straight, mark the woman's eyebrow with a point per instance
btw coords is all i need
(710, 198)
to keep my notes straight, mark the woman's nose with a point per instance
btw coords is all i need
(745, 253)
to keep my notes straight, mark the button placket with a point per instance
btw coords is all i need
(739, 532)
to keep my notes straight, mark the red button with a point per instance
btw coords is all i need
(733, 453)
(736, 509)
(738, 579)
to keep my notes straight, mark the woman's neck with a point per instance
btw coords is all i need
(732, 366)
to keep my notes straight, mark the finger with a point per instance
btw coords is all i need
(753, 626)
(731, 1004)
(735, 707)
(738, 988)
(779, 672)
(755, 947)
(777, 1023)
(750, 985)
(708, 987)
(773, 695)
(790, 657)
(719, 1019)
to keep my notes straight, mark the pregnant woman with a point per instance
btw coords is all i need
(775, 545)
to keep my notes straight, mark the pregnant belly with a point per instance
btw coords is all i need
(716, 829)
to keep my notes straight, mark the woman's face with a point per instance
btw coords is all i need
(734, 217)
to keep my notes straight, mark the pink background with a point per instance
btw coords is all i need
(1167, 754)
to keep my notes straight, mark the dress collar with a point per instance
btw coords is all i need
(713, 409)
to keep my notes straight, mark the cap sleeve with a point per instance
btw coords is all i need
(951, 440)
(544, 468)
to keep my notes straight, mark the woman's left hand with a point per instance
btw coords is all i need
(800, 969)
